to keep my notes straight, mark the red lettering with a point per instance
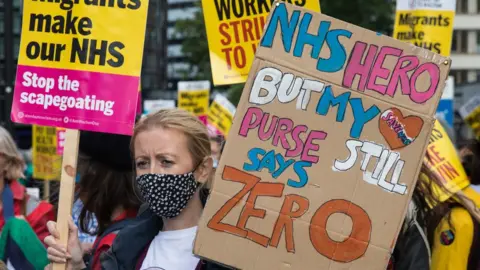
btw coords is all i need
(260, 189)
(223, 31)
(236, 30)
(247, 30)
(227, 57)
(285, 220)
(355, 245)
(239, 56)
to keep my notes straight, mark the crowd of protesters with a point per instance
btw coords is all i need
(139, 199)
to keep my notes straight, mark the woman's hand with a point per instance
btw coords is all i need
(72, 254)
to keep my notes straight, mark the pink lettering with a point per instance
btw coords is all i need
(400, 74)
(355, 66)
(247, 123)
(378, 71)
(309, 145)
(434, 72)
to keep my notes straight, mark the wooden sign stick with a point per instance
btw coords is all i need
(67, 187)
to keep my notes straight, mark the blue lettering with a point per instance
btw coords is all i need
(280, 16)
(360, 116)
(253, 156)
(338, 55)
(284, 164)
(329, 100)
(299, 168)
(268, 161)
(304, 38)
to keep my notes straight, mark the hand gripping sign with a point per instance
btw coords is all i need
(325, 147)
(79, 68)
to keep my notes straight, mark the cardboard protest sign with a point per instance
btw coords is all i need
(46, 161)
(234, 28)
(150, 106)
(443, 160)
(427, 24)
(194, 97)
(470, 112)
(325, 148)
(79, 64)
(220, 115)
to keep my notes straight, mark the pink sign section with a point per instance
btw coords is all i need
(60, 141)
(75, 99)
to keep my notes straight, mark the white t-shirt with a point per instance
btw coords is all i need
(172, 250)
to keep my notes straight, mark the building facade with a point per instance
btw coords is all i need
(466, 42)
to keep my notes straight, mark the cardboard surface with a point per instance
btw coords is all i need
(326, 185)
(79, 65)
(234, 28)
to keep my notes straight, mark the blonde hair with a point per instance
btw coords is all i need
(14, 165)
(191, 126)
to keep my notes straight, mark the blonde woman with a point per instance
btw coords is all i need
(172, 156)
(14, 198)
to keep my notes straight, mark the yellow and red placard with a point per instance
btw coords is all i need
(234, 29)
(444, 162)
(194, 97)
(45, 157)
(470, 112)
(220, 115)
(427, 24)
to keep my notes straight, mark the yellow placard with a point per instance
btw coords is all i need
(470, 112)
(426, 25)
(234, 31)
(445, 163)
(194, 97)
(220, 115)
(46, 161)
(80, 35)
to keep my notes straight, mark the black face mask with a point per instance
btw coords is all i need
(167, 194)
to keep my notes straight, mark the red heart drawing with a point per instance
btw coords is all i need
(397, 130)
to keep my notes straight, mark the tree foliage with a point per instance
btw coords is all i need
(376, 15)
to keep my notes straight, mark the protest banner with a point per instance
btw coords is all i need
(426, 23)
(234, 28)
(150, 106)
(46, 161)
(325, 147)
(194, 97)
(442, 159)
(220, 115)
(470, 112)
(79, 68)
(74, 70)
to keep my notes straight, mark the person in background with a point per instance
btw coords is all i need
(20, 243)
(106, 192)
(172, 161)
(215, 146)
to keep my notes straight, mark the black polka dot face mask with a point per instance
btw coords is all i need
(167, 194)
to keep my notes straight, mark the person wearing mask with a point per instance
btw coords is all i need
(173, 161)
(106, 192)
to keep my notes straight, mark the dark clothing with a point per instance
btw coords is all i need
(411, 251)
(129, 247)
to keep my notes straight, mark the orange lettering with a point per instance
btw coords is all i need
(261, 189)
(355, 245)
(234, 175)
(285, 220)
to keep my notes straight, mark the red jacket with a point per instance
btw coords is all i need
(37, 219)
(107, 241)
